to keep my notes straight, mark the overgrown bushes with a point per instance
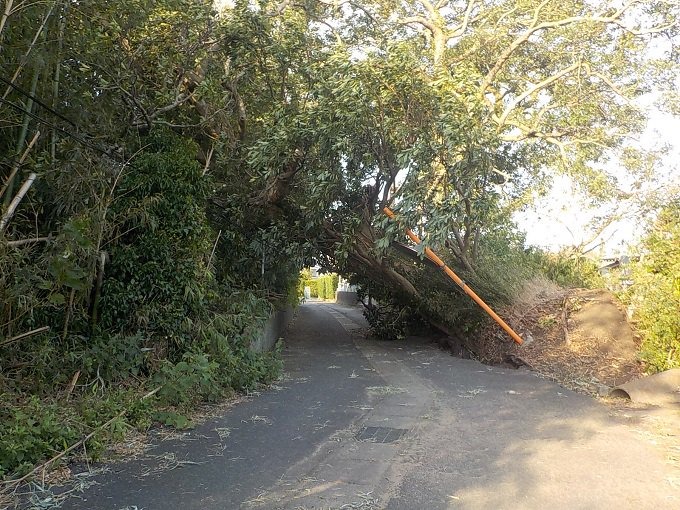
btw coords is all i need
(30, 431)
(157, 272)
(655, 292)
(133, 303)
(327, 285)
(502, 268)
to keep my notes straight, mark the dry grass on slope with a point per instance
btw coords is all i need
(578, 338)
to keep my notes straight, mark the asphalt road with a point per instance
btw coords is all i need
(362, 424)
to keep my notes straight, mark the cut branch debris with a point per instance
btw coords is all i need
(46, 464)
(24, 335)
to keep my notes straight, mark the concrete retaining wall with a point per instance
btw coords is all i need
(345, 297)
(273, 330)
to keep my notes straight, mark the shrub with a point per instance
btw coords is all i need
(156, 276)
(655, 293)
(193, 378)
(34, 428)
(313, 287)
(569, 271)
(29, 432)
(323, 287)
(327, 285)
(167, 316)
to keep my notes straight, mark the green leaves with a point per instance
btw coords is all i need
(243, 146)
(156, 272)
(655, 291)
(66, 272)
(30, 433)
(57, 299)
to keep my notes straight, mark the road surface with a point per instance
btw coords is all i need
(387, 425)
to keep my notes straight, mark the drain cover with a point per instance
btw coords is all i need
(380, 434)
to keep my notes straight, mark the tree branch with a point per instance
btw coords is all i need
(535, 88)
(460, 30)
(534, 27)
(420, 20)
(608, 82)
(277, 189)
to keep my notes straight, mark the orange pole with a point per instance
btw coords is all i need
(434, 258)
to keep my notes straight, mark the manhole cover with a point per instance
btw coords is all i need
(380, 434)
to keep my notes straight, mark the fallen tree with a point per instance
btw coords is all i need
(454, 115)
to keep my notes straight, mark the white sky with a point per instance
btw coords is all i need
(560, 219)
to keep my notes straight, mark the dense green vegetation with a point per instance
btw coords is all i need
(168, 166)
(655, 292)
(116, 262)
(503, 268)
(324, 286)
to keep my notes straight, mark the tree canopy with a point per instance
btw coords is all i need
(309, 118)
(168, 166)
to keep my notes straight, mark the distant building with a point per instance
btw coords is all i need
(617, 270)
(345, 286)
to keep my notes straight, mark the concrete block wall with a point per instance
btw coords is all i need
(346, 297)
(273, 330)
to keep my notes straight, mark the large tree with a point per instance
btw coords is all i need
(310, 118)
(453, 113)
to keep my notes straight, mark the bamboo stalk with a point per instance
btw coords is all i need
(18, 164)
(24, 59)
(212, 253)
(56, 78)
(17, 199)
(29, 109)
(100, 265)
(5, 15)
(23, 133)
(24, 335)
(68, 314)
(21, 242)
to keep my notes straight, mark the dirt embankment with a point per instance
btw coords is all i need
(578, 338)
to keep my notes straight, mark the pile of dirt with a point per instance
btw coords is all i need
(578, 338)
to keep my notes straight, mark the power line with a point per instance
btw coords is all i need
(36, 100)
(47, 123)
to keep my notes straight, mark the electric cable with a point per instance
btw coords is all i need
(47, 123)
(36, 100)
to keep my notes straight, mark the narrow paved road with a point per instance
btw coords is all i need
(361, 424)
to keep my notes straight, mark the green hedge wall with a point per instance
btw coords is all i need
(323, 287)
